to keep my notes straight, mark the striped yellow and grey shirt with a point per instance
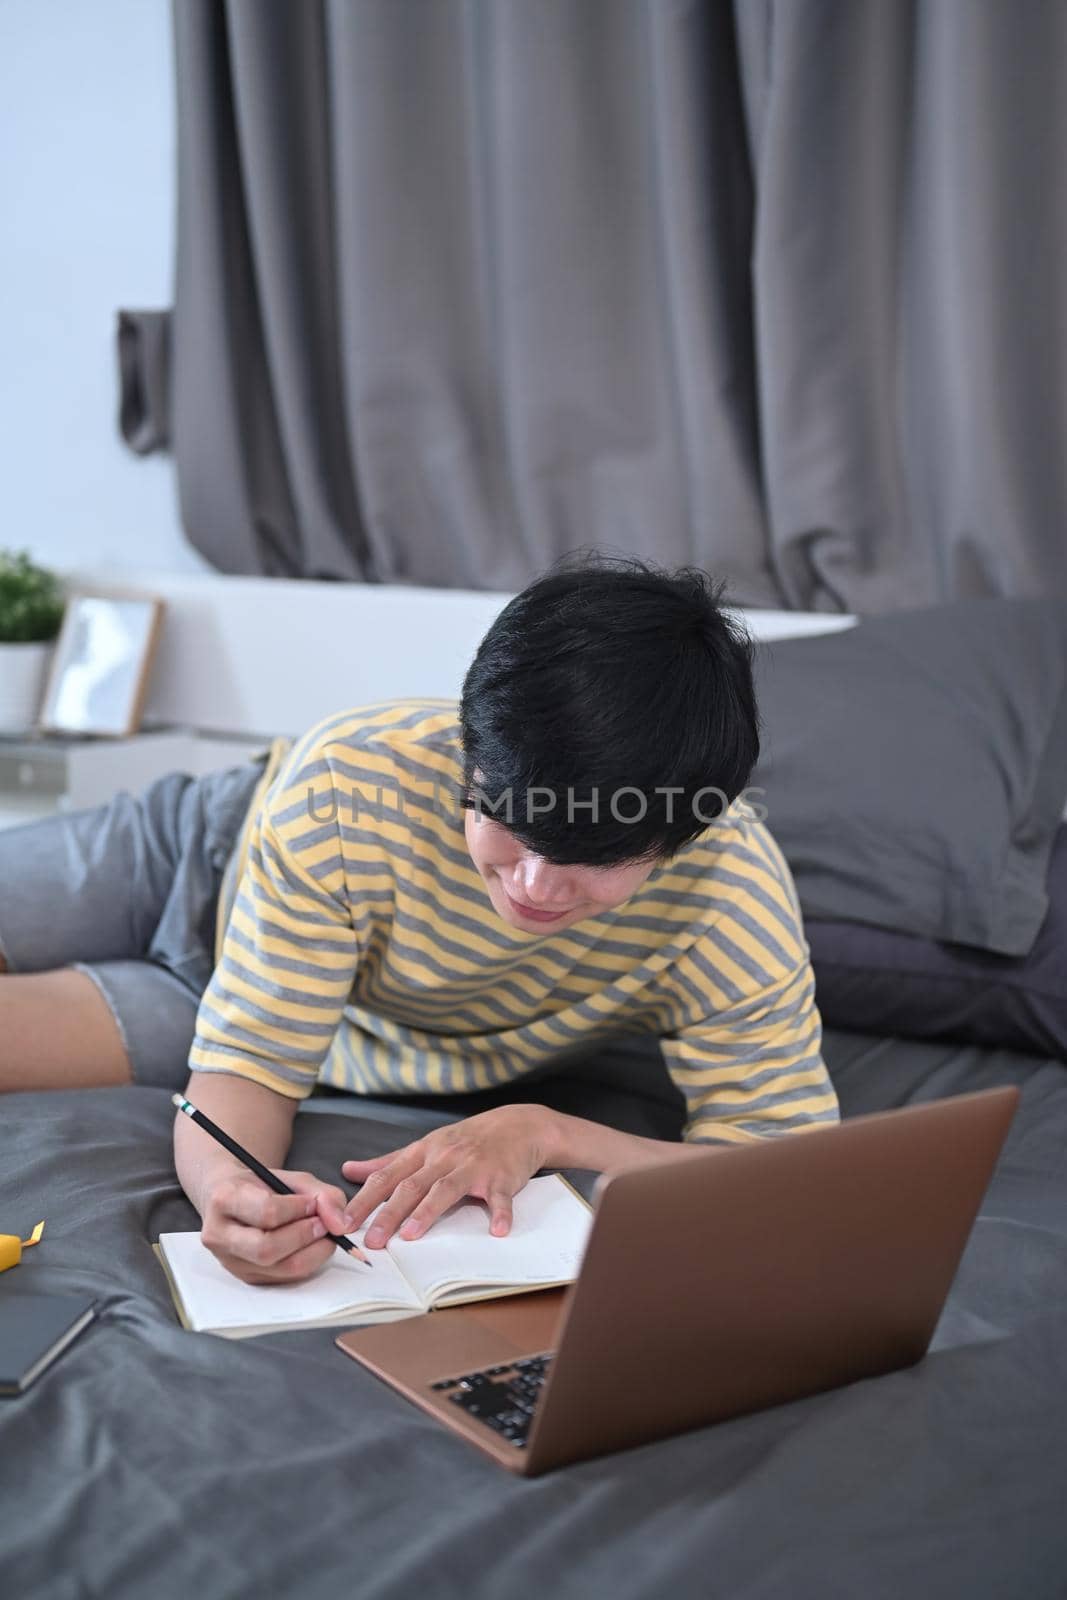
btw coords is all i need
(360, 948)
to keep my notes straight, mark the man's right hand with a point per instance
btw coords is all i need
(263, 1237)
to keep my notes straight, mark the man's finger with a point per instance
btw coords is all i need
(330, 1204)
(259, 1207)
(379, 1186)
(499, 1203)
(280, 1243)
(442, 1194)
(325, 1198)
(292, 1269)
(356, 1171)
(264, 1253)
(405, 1197)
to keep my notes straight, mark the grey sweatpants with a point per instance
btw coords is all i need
(127, 893)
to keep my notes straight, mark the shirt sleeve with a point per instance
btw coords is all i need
(290, 951)
(747, 1054)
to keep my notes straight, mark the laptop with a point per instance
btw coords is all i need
(729, 1280)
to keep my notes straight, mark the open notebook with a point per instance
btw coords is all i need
(456, 1261)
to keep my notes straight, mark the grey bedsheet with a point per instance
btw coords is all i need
(153, 1462)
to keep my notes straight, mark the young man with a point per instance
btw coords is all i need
(436, 899)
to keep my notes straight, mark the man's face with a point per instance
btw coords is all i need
(531, 893)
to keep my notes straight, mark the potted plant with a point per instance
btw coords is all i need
(31, 610)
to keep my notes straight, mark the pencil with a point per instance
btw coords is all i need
(270, 1178)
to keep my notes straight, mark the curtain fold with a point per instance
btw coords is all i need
(911, 295)
(142, 341)
(773, 287)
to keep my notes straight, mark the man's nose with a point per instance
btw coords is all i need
(544, 884)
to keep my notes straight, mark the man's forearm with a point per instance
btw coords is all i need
(255, 1116)
(575, 1142)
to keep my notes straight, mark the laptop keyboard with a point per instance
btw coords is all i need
(503, 1397)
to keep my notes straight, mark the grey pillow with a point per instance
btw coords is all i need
(872, 980)
(915, 767)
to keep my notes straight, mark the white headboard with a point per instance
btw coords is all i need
(261, 656)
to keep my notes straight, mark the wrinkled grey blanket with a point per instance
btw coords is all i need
(153, 1462)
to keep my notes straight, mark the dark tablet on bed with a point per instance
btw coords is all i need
(34, 1330)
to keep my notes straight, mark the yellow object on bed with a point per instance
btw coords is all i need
(11, 1246)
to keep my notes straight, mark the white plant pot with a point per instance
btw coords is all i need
(22, 675)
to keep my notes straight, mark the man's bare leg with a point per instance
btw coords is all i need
(57, 1032)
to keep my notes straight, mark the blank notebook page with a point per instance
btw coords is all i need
(548, 1235)
(214, 1298)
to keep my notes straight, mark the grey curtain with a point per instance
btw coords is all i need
(142, 342)
(777, 287)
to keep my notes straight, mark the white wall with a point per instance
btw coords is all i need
(272, 655)
(86, 226)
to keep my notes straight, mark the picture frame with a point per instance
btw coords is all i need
(100, 669)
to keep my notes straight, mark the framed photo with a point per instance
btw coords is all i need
(102, 659)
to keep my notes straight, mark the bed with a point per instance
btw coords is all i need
(154, 1461)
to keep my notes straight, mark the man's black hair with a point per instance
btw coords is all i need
(608, 674)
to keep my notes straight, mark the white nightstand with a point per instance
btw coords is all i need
(40, 775)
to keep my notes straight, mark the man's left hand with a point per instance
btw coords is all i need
(488, 1157)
